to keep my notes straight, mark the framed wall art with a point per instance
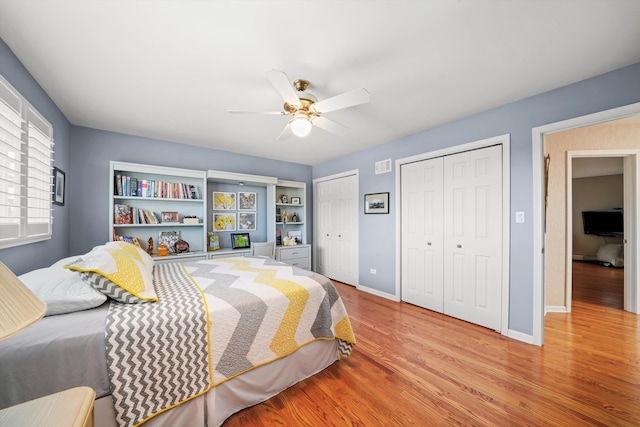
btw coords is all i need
(246, 201)
(376, 203)
(224, 201)
(58, 186)
(224, 222)
(246, 220)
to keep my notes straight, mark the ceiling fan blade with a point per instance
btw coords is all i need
(281, 82)
(278, 113)
(347, 99)
(286, 133)
(330, 126)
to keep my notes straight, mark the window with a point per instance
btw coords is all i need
(26, 161)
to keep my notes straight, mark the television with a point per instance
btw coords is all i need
(603, 223)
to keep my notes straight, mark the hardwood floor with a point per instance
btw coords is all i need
(414, 367)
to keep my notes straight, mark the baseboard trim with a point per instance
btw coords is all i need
(378, 293)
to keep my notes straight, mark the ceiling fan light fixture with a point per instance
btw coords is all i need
(300, 125)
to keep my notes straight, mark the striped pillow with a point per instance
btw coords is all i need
(119, 270)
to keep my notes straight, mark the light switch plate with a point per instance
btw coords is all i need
(520, 217)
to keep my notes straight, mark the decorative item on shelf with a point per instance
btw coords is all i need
(294, 217)
(181, 246)
(163, 249)
(240, 240)
(150, 246)
(191, 220)
(296, 235)
(295, 200)
(285, 217)
(278, 238)
(289, 241)
(170, 218)
(214, 241)
(169, 239)
(284, 199)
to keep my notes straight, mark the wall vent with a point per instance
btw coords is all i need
(383, 166)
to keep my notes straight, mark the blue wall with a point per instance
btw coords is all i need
(92, 150)
(21, 259)
(377, 232)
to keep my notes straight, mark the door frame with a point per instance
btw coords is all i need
(629, 203)
(353, 172)
(538, 134)
(505, 141)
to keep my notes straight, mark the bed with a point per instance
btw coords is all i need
(197, 342)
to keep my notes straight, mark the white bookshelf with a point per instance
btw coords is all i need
(194, 234)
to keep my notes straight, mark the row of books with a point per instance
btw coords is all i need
(128, 186)
(125, 214)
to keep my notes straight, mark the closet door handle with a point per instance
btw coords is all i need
(428, 243)
(458, 246)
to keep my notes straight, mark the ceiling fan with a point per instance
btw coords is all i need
(305, 109)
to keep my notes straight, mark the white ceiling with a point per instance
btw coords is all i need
(171, 69)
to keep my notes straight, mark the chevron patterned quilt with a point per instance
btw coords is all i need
(259, 310)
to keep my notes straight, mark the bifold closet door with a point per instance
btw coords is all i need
(473, 236)
(422, 233)
(337, 228)
(452, 235)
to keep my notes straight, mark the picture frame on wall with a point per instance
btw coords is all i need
(376, 203)
(58, 186)
(240, 240)
(224, 221)
(247, 201)
(224, 201)
(246, 220)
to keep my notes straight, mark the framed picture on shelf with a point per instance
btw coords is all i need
(170, 217)
(240, 240)
(224, 201)
(224, 222)
(169, 238)
(376, 203)
(246, 201)
(58, 186)
(295, 200)
(246, 221)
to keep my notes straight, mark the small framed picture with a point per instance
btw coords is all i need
(223, 201)
(295, 200)
(240, 240)
(224, 222)
(376, 203)
(246, 201)
(168, 217)
(58, 186)
(246, 220)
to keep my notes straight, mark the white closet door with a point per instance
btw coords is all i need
(422, 233)
(473, 236)
(337, 232)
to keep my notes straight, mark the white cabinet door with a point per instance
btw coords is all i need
(422, 234)
(337, 228)
(473, 236)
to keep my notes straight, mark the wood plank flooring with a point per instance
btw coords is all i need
(414, 367)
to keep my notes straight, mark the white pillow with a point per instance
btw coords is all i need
(62, 290)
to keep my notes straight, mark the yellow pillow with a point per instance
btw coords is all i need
(120, 270)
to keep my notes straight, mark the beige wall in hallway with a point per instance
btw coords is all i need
(622, 134)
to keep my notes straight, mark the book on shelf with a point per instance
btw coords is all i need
(127, 186)
(122, 214)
